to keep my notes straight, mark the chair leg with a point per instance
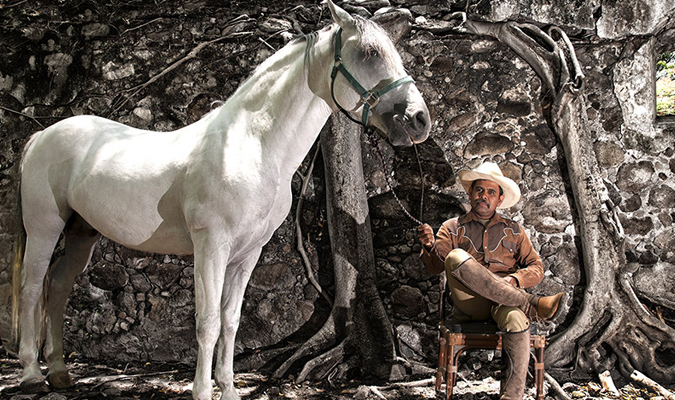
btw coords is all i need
(453, 358)
(539, 372)
(442, 362)
(452, 346)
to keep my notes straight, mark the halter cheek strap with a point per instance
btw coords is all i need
(369, 98)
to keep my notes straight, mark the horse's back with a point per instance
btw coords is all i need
(49, 160)
(115, 176)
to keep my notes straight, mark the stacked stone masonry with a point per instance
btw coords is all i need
(486, 103)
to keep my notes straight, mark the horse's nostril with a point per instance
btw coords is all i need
(420, 122)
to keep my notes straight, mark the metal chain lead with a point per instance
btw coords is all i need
(372, 136)
(373, 141)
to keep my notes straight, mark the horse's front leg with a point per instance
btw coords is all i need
(210, 266)
(236, 279)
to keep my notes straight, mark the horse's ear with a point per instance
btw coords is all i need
(340, 16)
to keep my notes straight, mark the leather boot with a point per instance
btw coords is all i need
(515, 361)
(490, 286)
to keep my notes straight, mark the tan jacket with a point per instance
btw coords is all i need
(503, 247)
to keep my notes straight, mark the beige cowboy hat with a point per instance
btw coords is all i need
(491, 172)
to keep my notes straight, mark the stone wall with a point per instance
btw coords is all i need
(487, 104)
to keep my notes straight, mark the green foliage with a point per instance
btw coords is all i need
(665, 84)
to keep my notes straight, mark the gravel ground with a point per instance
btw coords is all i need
(174, 381)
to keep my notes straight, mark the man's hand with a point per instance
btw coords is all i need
(425, 235)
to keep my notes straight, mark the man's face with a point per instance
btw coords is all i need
(485, 198)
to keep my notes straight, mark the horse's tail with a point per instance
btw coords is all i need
(17, 269)
(19, 251)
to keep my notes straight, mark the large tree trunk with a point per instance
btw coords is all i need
(358, 331)
(352, 247)
(613, 330)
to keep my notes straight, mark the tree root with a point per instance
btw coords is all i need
(557, 389)
(321, 366)
(298, 229)
(640, 378)
(608, 383)
(321, 340)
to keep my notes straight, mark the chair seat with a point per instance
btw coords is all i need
(479, 335)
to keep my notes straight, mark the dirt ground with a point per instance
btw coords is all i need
(174, 381)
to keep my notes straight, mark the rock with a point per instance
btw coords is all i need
(442, 63)
(95, 30)
(386, 273)
(633, 177)
(112, 71)
(397, 22)
(539, 140)
(163, 275)
(609, 154)
(637, 226)
(273, 25)
(666, 243)
(408, 301)
(547, 213)
(620, 19)
(411, 342)
(632, 203)
(397, 373)
(361, 393)
(415, 269)
(487, 143)
(655, 283)
(463, 121)
(108, 276)
(54, 396)
(661, 197)
(564, 263)
(267, 277)
(140, 283)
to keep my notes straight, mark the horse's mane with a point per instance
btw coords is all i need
(369, 33)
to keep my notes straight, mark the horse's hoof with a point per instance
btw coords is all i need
(59, 380)
(34, 386)
(229, 394)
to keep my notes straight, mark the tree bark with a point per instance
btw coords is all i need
(613, 330)
(352, 247)
(358, 325)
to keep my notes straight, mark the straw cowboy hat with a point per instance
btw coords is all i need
(491, 172)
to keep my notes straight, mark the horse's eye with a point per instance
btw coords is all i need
(372, 53)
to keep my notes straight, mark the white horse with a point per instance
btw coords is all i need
(217, 189)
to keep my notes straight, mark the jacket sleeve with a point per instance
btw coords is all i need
(531, 270)
(435, 264)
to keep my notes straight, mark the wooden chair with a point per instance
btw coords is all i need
(477, 335)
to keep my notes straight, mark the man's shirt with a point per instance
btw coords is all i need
(501, 245)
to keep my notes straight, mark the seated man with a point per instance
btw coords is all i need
(489, 260)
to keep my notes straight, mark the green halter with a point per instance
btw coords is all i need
(369, 98)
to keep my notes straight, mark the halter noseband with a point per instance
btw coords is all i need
(369, 98)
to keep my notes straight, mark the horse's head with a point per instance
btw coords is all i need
(369, 80)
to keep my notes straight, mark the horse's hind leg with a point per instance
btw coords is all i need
(39, 247)
(80, 239)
